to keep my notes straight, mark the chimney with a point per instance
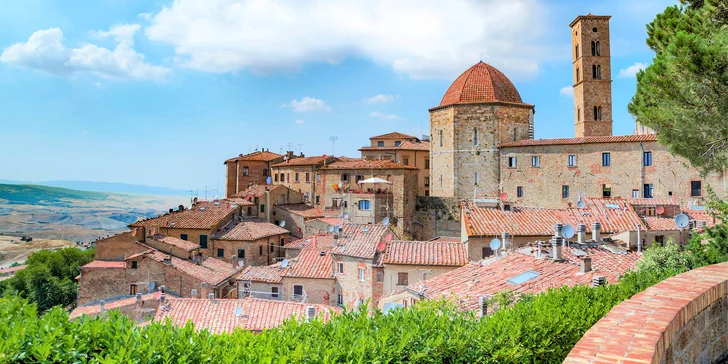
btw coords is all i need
(203, 289)
(482, 306)
(596, 229)
(556, 248)
(598, 281)
(162, 298)
(193, 293)
(557, 230)
(171, 210)
(181, 207)
(234, 260)
(586, 265)
(139, 299)
(538, 251)
(310, 313)
(505, 237)
(101, 306)
(581, 231)
(211, 297)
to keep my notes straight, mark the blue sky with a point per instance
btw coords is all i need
(162, 92)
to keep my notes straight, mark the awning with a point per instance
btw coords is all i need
(374, 180)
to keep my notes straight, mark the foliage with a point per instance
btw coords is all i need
(49, 278)
(44, 195)
(683, 95)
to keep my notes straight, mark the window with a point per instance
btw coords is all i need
(380, 144)
(577, 74)
(647, 190)
(250, 211)
(606, 159)
(297, 291)
(344, 177)
(262, 207)
(535, 161)
(441, 138)
(275, 177)
(647, 159)
(511, 162)
(606, 190)
(274, 292)
(486, 252)
(360, 301)
(318, 178)
(241, 253)
(380, 275)
(597, 113)
(359, 178)
(265, 172)
(288, 176)
(183, 236)
(308, 177)
(134, 264)
(306, 196)
(440, 180)
(596, 72)
(203, 241)
(318, 199)
(475, 136)
(283, 177)
(283, 241)
(220, 253)
(402, 279)
(341, 268)
(519, 191)
(576, 51)
(571, 160)
(696, 188)
(427, 193)
(635, 193)
(427, 164)
(365, 205)
(476, 178)
(427, 181)
(361, 274)
(397, 143)
(272, 248)
(339, 299)
(599, 51)
(260, 250)
(565, 191)
(132, 289)
(296, 177)
(578, 113)
(245, 171)
(405, 161)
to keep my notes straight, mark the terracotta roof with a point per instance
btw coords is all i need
(94, 308)
(481, 83)
(426, 253)
(332, 221)
(356, 163)
(306, 161)
(660, 223)
(218, 316)
(257, 190)
(210, 270)
(256, 156)
(310, 263)
(393, 135)
(248, 229)
(407, 145)
(360, 240)
(267, 273)
(301, 209)
(652, 202)
(452, 239)
(179, 243)
(526, 221)
(198, 217)
(12, 269)
(223, 202)
(104, 264)
(584, 140)
(608, 264)
(702, 215)
(316, 241)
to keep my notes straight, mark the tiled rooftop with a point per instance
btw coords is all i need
(198, 217)
(248, 229)
(652, 202)
(210, 270)
(583, 140)
(257, 191)
(11, 269)
(265, 156)
(366, 164)
(94, 308)
(426, 253)
(360, 240)
(218, 316)
(393, 135)
(306, 161)
(407, 145)
(481, 83)
(267, 273)
(316, 241)
(301, 209)
(176, 242)
(657, 223)
(312, 263)
(104, 264)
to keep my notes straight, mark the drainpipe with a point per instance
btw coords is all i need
(237, 176)
(642, 168)
(267, 205)
(639, 238)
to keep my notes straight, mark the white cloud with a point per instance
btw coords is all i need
(631, 71)
(381, 98)
(45, 51)
(299, 121)
(376, 114)
(420, 38)
(307, 104)
(567, 91)
(145, 16)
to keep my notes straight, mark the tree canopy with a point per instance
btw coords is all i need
(683, 95)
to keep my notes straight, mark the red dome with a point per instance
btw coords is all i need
(481, 83)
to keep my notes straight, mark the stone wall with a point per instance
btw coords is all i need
(301, 179)
(436, 216)
(415, 274)
(350, 287)
(102, 283)
(683, 319)
(319, 291)
(119, 246)
(252, 248)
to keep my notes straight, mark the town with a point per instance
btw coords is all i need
(474, 209)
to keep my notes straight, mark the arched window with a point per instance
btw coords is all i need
(576, 51)
(598, 49)
(475, 136)
(594, 48)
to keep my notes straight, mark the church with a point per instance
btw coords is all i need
(482, 141)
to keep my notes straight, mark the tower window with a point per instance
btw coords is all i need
(578, 114)
(519, 191)
(599, 53)
(647, 159)
(577, 74)
(441, 138)
(594, 29)
(476, 178)
(597, 113)
(440, 180)
(475, 136)
(596, 72)
(576, 52)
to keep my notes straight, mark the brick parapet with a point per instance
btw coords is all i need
(681, 319)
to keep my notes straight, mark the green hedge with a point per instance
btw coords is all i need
(537, 329)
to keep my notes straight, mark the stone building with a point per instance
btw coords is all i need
(252, 241)
(295, 217)
(404, 149)
(250, 169)
(264, 197)
(299, 174)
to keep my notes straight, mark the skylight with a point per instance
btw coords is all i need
(612, 206)
(523, 277)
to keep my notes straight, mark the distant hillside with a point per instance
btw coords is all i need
(44, 195)
(106, 187)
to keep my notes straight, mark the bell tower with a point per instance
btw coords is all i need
(592, 75)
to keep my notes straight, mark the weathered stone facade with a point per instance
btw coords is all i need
(119, 246)
(436, 216)
(298, 178)
(317, 290)
(263, 251)
(353, 290)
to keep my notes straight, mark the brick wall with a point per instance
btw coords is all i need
(101, 283)
(293, 222)
(119, 246)
(301, 185)
(436, 216)
(260, 290)
(415, 274)
(252, 250)
(350, 286)
(414, 158)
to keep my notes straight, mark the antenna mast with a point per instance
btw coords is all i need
(333, 145)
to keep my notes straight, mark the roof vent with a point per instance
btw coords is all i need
(322, 253)
(211, 297)
(599, 281)
(310, 313)
(101, 306)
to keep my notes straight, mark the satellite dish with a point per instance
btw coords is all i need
(241, 263)
(346, 215)
(660, 210)
(340, 185)
(581, 204)
(503, 196)
(381, 246)
(391, 306)
(385, 221)
(284, 263)
(238, 311)
(339, 228)
(568, 231)
(151, 286)
(495, 244)
(682, 221)
(388, 238)
(331, 229)
(282, 223)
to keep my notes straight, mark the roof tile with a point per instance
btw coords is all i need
(198, 217)
(301, 209)
(426, 253)
(356, 163)
(583, 140)
(264, 156)
(248, 229)
(481, 83)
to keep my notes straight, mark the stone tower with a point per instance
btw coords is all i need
(592, 75)
(479, 111)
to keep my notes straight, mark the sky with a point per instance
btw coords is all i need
(160, 93)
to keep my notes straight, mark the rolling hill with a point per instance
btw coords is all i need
(45, 195)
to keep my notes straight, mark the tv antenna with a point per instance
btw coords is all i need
(333, 144)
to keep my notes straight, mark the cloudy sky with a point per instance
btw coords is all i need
(162, 92)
